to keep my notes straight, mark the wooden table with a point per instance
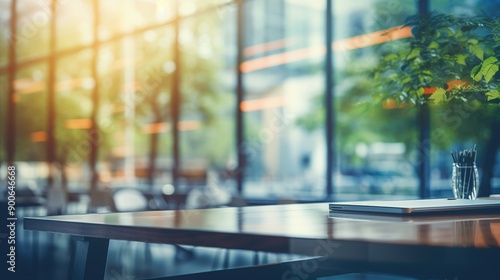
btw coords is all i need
(445, 246)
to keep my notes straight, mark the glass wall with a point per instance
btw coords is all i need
(73, 106)
(4, 29)
(283, 58)
(151, 105)
(206, 126)
(33, 27)
(74, 24)
(4, 60)
(159, 62)
(461, 126)
(374, 151)
(30, 124)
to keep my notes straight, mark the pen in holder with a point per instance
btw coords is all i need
(464, 177)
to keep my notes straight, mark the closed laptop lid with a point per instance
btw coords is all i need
(415, 206)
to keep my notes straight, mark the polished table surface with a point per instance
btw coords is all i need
(302, 228)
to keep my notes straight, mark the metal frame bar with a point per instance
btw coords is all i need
(240, 137)
(94, 130)
(175, 103)
(11, 104)
(329, 101)
(51, 106)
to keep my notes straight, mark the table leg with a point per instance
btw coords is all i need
(89, 258)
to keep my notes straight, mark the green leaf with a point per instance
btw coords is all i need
(490, 71)
(489, 68)
(391, 57)
(420, 92)
(477, 51)
(427, 72)
(433, 45)
(406, 80)
(461, 59)
(473, 41)
(438, 95)
(475, 74)
(414, 53)
(493, 94)
(490, 60)
(451, 31)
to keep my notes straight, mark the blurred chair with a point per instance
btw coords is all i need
(130, 200)
(56, 201)
(101, 200)
(214, 194)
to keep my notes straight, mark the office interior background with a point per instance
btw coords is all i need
(159, 94)
(225, 102)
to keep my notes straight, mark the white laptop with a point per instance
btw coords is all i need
(420, 206)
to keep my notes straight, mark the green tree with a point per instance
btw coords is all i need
(200, 88)
(450, 62)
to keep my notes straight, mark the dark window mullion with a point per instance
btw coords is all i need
(329, 101)
(240, 138)
(175, 105)
(51, 107)
(11, 105)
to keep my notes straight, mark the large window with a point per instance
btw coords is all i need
(282, 71)
(206, 123)
(30, 123)
(73, 105)
(32, 38)
(151, 94)
(74, 25)
(4, 30)
(375, 142)
(462, 126)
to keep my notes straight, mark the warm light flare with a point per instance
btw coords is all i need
(39, 136)
(429, 90)
(70, 84)
(266, 47)
(262, 104)
(391, 104)
(456, 83)
(282, 58)
(78, 123)
(161, 127)
(27, 86)
(155, 128)
(188, 125)
(356, 42)
(371, 39)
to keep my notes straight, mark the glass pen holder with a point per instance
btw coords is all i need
(465, 181)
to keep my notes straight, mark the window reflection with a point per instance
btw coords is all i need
(281, 71)
(4, 27)
(30, 99)
(73, 106)
(283, 105)
(33, 27)
(74, 23)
